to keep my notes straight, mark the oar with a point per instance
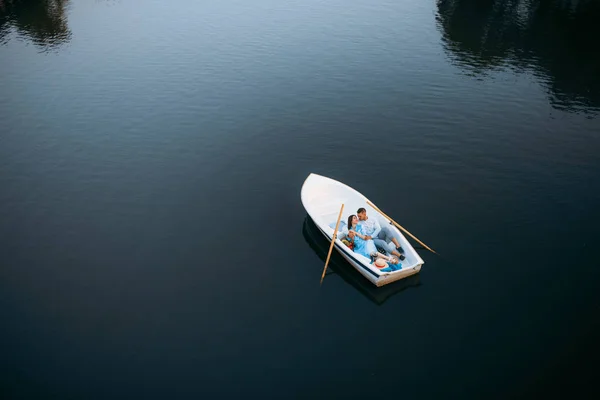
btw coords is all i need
(332, 243)
(398, 225)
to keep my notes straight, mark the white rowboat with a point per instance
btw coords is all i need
(322, 198)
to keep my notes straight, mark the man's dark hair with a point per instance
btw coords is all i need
(360, 210)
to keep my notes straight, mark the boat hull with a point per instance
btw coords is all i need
(322, 197)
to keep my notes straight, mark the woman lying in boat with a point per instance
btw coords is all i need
(367, 248)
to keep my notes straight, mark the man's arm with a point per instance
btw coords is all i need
(377, 229)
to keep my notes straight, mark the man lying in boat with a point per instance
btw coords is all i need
(365, 246)
(384, 237)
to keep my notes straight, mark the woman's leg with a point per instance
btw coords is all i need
(387, 258)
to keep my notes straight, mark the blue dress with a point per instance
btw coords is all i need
(367, 247)
(363, 247)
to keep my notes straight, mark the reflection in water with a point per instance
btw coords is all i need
(555, 39)
(42, 21)
(338, 265)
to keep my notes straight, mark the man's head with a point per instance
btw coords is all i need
(361, 213)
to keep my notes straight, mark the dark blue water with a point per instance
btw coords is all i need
(153, 242)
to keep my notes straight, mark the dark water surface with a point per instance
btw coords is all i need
(153, 242)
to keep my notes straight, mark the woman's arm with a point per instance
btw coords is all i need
(360, 235)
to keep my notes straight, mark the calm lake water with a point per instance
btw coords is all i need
(153, 242)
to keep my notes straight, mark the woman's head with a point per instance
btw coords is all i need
(352, 220)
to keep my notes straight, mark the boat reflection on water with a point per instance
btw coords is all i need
(339, 266)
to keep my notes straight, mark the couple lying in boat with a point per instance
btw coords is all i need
(363, 234)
